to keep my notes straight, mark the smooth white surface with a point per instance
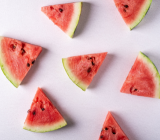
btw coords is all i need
(100, 29)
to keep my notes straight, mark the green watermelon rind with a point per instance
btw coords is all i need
(141, 14)
(8, 76)
(75, 19)
(72, 76)
(45, 128)
(154, 70)
(5, 71)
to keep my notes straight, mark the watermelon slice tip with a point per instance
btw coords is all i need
(43, 116)
(111, 130)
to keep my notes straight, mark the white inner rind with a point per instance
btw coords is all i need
(154, 71)
(75, 18)
(141, 14)
(72, 76)
(45, 128)
(6, 70)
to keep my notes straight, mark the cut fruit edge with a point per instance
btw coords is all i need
(109, 121)
(5, 69)
(72, 76)
(47, 125)
(154, 71)
(75, 19)
(141, 14)
(45, 128)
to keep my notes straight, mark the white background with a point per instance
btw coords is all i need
(100, 29)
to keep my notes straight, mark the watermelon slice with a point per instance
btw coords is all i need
(111, 130)
(81, 69)
(43, 116)
(65, 16)
(143, 79)
(16, 58)
(133, 11)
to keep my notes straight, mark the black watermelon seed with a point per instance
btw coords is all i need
(28, 65)
(61, 10)
(135, 89)
(43, 109)
(22, 51)
(33, 61)
(14, 46)
(101, 136)
(106, 128)
(113, 131)
(93, 63)
(28, 111)
(126, 6)
(34, 113)
(89, 70)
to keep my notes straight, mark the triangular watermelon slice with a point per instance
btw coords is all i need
(16, 58)
(143, 79)
(65, 16)
(133, 11)
(81, 69)
(111, 130)
(43, 116)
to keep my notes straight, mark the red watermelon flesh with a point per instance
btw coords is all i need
(132, 11)
(43, 116)
(111, 130)
(65, 16)
(17, 57)
(143, 79)
(81, 69)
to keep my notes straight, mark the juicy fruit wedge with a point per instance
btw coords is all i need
(111, 130)
(43, 116)
(81, 69)
(16, 58)
(133, 11)
(65, 16)
(143, 79)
